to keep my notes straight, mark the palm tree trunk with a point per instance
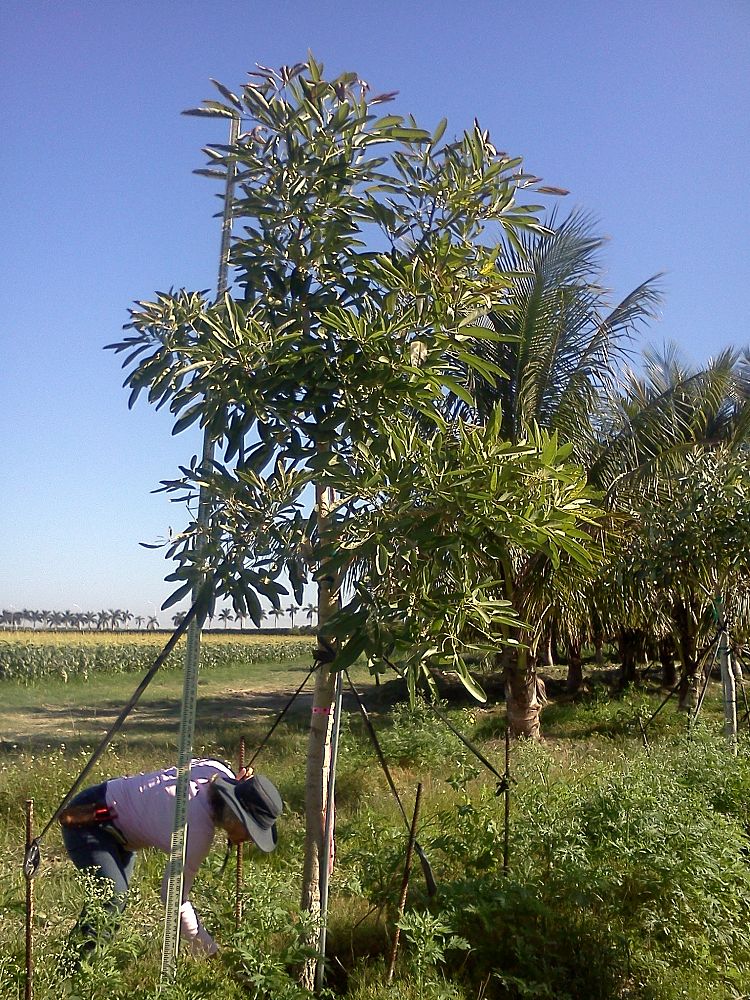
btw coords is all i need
(524, 693)
(668, 665)
(575, 666)
(318, 748)
(686, 643)
(628, 657)
(598, 637)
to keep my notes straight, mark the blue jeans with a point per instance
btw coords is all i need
(93, 848)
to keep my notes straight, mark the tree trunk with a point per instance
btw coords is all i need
(524, 694)
(598, 637)
(575, 667)
(628, 656)
(690, 681)
(667, 652)
(318, 752)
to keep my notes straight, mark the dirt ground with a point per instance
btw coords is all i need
(51, 718)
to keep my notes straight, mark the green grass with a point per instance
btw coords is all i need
(629, 872)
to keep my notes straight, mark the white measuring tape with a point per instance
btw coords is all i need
(176, 864)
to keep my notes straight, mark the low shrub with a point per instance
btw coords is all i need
(630, 879)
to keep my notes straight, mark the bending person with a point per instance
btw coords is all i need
(105, 825)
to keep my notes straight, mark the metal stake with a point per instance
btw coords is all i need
(29, 990)
(405, 881)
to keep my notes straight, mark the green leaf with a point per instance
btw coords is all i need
(416, 135)
(470, 684)
(180, 594)
(437, 135)
(214, 112)
(350, 652)
(457, 389)
(189, 417)
(232, 98)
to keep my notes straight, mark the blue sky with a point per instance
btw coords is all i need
(641, 110)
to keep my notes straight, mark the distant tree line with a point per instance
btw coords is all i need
(118, 618)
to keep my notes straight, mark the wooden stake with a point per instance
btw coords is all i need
(405, 881)
(29, 991)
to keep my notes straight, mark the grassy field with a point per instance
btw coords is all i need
(628, 877)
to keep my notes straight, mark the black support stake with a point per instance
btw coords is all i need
(405, 880)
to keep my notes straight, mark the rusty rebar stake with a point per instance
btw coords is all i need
(405, 881)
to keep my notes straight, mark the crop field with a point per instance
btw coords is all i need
(146, 637)
(29, 655)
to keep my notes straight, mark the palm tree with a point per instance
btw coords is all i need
(276, 613)
(654, 431)
(58, 619)
(559, 342)
(178, 618)
(310, 612)
(139, 620)
(152, 623)
(292, 611)
(225, 616)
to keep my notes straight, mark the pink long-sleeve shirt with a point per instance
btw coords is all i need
(144, 804)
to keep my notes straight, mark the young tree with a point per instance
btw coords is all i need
(331, 372)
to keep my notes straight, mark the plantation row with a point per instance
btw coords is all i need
(28, 661)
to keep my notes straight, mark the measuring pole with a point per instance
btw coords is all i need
(238, 877)
(175, 868)
(29, 987)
